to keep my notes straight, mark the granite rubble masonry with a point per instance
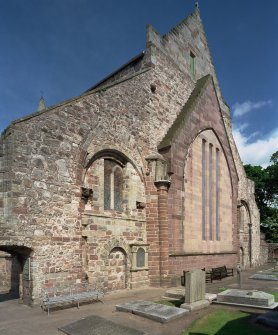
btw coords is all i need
(132, 182)
(195, 295)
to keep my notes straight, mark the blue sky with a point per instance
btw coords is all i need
(63, 47)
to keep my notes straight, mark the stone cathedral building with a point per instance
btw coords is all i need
(130, 183)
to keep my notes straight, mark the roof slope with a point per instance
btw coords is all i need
(185, 112)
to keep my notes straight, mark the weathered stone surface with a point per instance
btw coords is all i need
(265, 276)
(152, 311)
(101, 141)
(245, 297)
(96, 325)
(196, 305)
(195, 286)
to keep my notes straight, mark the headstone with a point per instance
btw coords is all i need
(195, 290)
(195, 285)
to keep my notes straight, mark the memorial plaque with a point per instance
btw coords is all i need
(140, 258)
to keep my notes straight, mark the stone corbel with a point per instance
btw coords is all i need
(158, 166)
(86, 193)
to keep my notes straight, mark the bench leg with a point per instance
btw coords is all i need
(48, 310)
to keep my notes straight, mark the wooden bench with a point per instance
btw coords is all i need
(219, 273)
(70, 295)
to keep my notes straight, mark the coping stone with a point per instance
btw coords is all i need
(152, 311)
(96, 325)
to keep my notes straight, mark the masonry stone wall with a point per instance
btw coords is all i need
(83, 186)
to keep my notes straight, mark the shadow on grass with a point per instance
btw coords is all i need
(223, 322)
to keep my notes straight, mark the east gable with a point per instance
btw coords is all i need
(187, 47)
(200, 123)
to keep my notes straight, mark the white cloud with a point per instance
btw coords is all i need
(257, 152)
(240, 109)
(242, 126)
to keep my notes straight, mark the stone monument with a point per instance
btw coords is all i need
(195, 290)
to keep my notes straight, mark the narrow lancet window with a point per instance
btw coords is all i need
(217, 195)
(204, 189)
(210, 192)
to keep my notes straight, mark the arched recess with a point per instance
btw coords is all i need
(116, 260)
(117, 269)
(19, 272)
(208, 202)
(245, 231)
(244, 217)
(115, 182)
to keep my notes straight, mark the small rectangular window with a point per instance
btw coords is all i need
(192, 63)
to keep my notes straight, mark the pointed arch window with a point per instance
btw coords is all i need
(113, 185)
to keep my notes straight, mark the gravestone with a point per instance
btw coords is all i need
(195, 290)
(96, 325)
(151, 310)
(246, 298)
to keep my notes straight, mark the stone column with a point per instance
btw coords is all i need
(162, 202)
(157, 222)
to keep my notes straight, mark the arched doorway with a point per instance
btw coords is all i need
(18, 272)
(117, 269)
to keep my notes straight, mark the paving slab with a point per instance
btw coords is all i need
(96, 325)
(264, 276)
(152, 311)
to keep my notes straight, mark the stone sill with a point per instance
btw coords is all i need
(181, 254)
(139, 269)
(113, 217)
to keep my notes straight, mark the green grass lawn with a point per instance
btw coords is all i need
(224, 322)
(275, 295)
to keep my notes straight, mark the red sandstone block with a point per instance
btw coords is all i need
(93, 257)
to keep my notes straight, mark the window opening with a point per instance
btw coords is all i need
(192, 63)
(140, 258)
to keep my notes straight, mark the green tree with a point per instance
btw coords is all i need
(266, 194)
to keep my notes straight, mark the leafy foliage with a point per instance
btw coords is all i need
(266, 194)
